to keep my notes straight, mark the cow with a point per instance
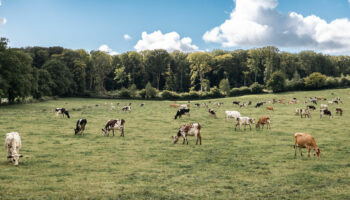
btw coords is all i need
(326, 112)
(114, 124)
(269, 108)
(184, 106)
(236, 102)
(303, 140)
(232, 114)
(13, 145)
(311, 107)
(259, 104)
(183, 111)
(80, 127)
(212, 113)
(249, 103)
(297, 111)
(112, 107)
(324, 107)
(197, 104)
(314, 101)
(126, 108)
(262, 121)
(205, 105)
(62, 111)
(244, 121)
(219, 104)
(243, 105)
(174, 105)
(142, 104)
(330, 102)
(186, 130)
(305, 112)
(339, 111)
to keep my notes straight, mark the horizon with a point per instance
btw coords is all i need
(117, 27)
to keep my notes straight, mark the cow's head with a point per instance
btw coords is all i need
(252, 120)
(76, 131)
(104, 131)
(15, 159)
(176, 137)
(317, 152)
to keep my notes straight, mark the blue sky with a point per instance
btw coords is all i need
(186, 25)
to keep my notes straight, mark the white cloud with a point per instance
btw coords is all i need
(3, 20)
(168, 41)
(257, 23)
(1, 2)
(105, 48)
(128, 37)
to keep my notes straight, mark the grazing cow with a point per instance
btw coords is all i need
(326, 112)
(62, 111)
(330, 102)
(303, 140)
(249, 103)
(219, 104)
(189, 130)
(244, 121)
(212, 113)
(142, 104)
(259, 104)
(243, 105)
(262, 121)
(183, 111)
(197, 104)
(13, 145)
(236, 102)
(112, 107)
(269, 108)
(205, 105)
(232, 114)
(324, 107)
(314, 101)
(305, 112)
(311, 107)
(80, 127)
(339, 111)
(126, 108)
(114, 124)
(174, 105)
(297, 111)
(118, 103)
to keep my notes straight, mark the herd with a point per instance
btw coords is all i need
(302, 140)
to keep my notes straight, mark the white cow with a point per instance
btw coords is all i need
(193, 129)
(244, 121)
(324, 107)
(13, 144)
(232, 114)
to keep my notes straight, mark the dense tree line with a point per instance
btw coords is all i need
(56, 71)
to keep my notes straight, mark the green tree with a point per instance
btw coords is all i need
(61, 77)
(156, 62)
(101, 64)
(316, 80)
(151, 92)
(277, 82)
(225, 86)
(200, 65)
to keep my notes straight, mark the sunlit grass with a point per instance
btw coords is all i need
(146, 165)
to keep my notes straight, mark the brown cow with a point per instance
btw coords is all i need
(303, 140)
(263, 120)
(269, 108)
(339, 111)
(174, 105)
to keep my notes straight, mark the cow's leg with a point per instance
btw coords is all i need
(113, 131)
(122, 134)
(308, 151)
(184, 139)
(295, 150)
(301, 153)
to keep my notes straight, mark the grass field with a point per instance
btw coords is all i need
(147, 165)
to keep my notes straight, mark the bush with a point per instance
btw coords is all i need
(240, 91)
(345, 81)
(133, 91)
(124, 93)
(215, 93)
(277, 82)
(142, 93)
(315, 80)
(234, 92)
(256, 88)
(225, 86)
(151, 92)
(292, 85)
(332, 82)
(166, 94)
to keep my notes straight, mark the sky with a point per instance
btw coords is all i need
(117, 26)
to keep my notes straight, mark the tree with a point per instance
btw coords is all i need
(255, 62)
(151, 92)
(15, 73)
(156, 63)
(225, 86)
(200, 65)
(181, 70)
(277, 82)
(316, 80)
(101, 64)
(61, 77)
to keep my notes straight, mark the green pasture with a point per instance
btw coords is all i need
(145, 164)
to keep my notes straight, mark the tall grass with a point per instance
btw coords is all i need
(146, 165)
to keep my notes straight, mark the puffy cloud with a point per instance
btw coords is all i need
(1, 2)
(3, 20)
(128, 37)
(168, 41)
(257, 23)
(105, 48)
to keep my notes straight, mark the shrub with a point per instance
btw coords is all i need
(332, 82)
(277, 82)
(225, 86)
(166, 94)
(133, 91)
(234, 92)
(315, 80)
(124, 93)
(142, 93)
(256, 88)
(345, 81)
(215, 93)
(151, 92)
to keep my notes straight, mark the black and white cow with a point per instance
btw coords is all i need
(259, 104)
(311, 107)
(326, 112)
(114, 124)
(80, 127)
(212, 113)
(182, 111)
(126, 108)
(62, 111)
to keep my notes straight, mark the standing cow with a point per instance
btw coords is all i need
(303, 140)
(114, 124)
(13, 145)
(80, 127)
